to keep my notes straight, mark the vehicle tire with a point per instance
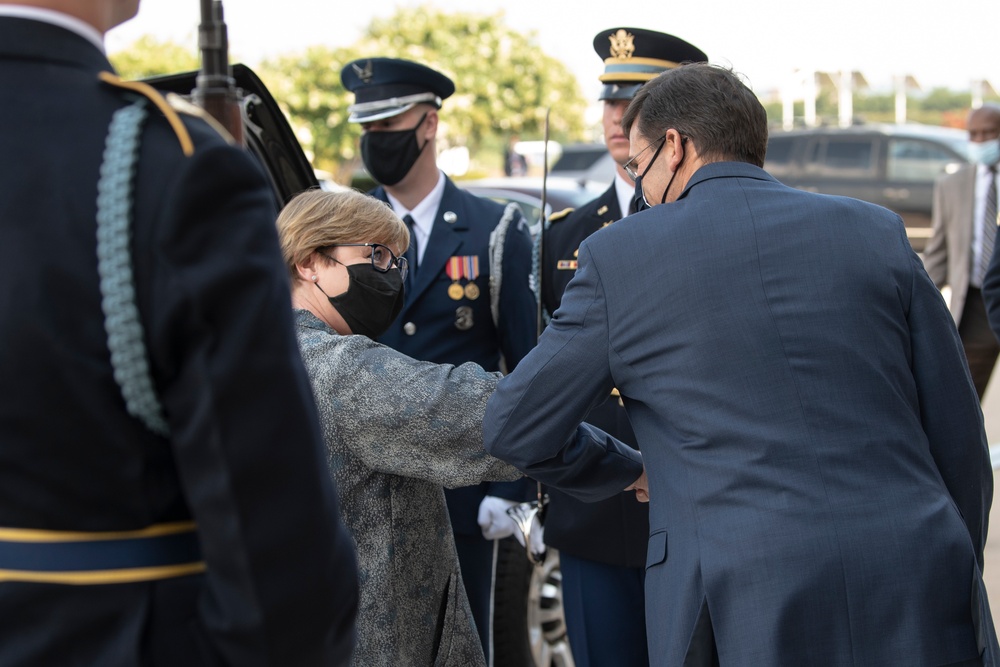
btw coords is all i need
(529, 629)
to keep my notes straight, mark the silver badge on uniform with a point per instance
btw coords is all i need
(463, 318)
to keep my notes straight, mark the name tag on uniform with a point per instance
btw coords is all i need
(566, 265)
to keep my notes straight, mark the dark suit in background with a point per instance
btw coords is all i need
(954, 254)
(244, 458)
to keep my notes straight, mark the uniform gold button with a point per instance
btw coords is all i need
(409, 328)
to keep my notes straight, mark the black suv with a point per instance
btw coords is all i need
(890, 165)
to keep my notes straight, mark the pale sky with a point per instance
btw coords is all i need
(949, 43)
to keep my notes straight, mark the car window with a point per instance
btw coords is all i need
(841, 157)
(916, 160)
(579, 159)
(778, 160)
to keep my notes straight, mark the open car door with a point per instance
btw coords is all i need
(266, 131)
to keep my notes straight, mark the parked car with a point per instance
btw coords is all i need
(584, 163)
(526, 191)
(894, 166)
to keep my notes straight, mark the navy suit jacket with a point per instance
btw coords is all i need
(614, 530)
(245, 458)
(817, 464)
(426, 328)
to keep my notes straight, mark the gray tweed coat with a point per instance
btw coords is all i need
(396, 431)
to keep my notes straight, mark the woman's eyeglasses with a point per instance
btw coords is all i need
(383, 259)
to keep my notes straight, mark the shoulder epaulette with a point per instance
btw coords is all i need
(181, 105)
(556, 217)
(159, 102)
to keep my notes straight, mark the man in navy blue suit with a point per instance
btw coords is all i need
(468, 296)
(816, 461)
(602, 545)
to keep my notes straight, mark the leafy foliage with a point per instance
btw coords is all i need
(148, 56)
(503, 84)
(307, 86)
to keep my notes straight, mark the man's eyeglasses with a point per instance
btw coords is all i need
(629, 166)
(383, 259)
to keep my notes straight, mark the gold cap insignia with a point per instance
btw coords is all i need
(622, 44)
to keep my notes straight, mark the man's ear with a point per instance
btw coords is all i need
(675, 149)
(431, 125)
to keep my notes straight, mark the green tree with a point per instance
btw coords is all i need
(942, 99)
(307, 86)
(148, 56)
(503, 83)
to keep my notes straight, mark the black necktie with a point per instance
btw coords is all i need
(989, 224)
(411, 251)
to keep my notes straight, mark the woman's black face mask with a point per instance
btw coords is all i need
(372, 301)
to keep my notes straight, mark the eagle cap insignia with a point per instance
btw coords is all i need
(622, 44)
(364, 73)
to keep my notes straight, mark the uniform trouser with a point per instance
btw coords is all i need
(605, 612)
(978, 339)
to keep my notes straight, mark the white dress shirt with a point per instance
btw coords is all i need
(423, 215)
(625, 190)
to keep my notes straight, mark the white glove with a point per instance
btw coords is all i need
(493, 518)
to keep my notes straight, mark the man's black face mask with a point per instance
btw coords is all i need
(389, 156)
(639, 198)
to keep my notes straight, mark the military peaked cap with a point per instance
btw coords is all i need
(386, 87)
(633, 56)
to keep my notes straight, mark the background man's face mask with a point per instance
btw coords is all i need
(986, 152)
(389, 156)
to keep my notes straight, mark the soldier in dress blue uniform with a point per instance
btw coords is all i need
(190, 519)
(468, 295)
(602, 546)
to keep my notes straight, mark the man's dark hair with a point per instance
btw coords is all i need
(707, 104)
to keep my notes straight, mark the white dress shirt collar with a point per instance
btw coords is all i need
(424, 214)
(625, 191)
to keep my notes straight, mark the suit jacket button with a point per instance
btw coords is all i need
(409, 328)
